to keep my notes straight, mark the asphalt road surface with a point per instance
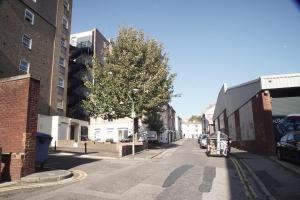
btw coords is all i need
(181, 172)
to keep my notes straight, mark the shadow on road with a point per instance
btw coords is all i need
(65, 162)
(163, 146)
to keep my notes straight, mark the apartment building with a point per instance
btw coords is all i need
(34, 39)
(83, 46)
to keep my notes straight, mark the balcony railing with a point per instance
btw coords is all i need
(84, 44)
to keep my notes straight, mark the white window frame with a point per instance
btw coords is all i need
(25, 38)
(66, 5)
(60, 64)
(28, 65)
(31, 20)
(60, 106)
(67, 22)
(63, 82)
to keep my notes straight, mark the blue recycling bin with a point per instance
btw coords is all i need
(43, 141)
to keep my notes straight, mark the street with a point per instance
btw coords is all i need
(181, 172)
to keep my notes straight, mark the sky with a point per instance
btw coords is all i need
(208, 42)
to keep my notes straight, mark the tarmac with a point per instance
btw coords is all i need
(50, 176)
(275, 179)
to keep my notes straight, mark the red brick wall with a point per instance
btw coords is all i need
(18, 125)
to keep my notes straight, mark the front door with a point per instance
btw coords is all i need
(72, 132)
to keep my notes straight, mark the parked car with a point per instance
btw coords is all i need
(289, 124)
(203, 140)
(127, 139)
(289, 147)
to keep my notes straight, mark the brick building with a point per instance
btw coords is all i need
(34, 39)
(83, 47)
(249, 112)
(18, 126)
(168, 118)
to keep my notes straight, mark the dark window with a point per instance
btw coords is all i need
(29, 16)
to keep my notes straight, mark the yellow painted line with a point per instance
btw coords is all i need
(246, 180)
(78, 176)
(248, 189)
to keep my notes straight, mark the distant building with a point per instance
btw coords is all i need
(250, 112)
(168, 119)
(83, 46)
(191, 129)
(101, 130)
(207, 119)
(178, 127)
(34, 39)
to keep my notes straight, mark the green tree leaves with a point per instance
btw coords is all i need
(132, 62)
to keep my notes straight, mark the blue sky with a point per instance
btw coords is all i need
(209, 42)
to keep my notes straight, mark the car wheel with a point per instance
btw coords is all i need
(279, 155)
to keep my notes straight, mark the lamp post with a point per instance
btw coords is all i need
(133, 117)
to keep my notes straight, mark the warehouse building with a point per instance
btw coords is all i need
(250, 112)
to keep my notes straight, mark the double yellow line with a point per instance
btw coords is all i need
(78, 175)
(248, 189)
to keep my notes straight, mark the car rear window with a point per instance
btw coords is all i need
(297, 137)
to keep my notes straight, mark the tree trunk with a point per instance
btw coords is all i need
(136, 125)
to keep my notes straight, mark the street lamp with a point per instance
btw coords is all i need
(134, 91)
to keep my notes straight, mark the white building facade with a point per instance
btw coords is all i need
(63, 128)
(191, 129)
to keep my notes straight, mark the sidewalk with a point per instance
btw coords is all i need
(274, 179)
(156, 152)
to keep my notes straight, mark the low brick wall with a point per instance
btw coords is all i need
(122, 149)
(126, 148)
(97, 146)
(65, 143)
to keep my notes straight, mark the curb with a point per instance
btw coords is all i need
(257, 181)
(286, 165)
(78, 175)
(6, 184)
(47, 179)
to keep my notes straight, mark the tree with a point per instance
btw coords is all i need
(154, 122)
(195, 118)
(132, 62)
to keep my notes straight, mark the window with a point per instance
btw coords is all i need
(29, 16)
(65, 22)
(290, 137)
(60, 82)
(34, 1)
(27, 41)
(24, 65)
(61, 62)
(66, 5)
(63, 43)
(60, 104)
